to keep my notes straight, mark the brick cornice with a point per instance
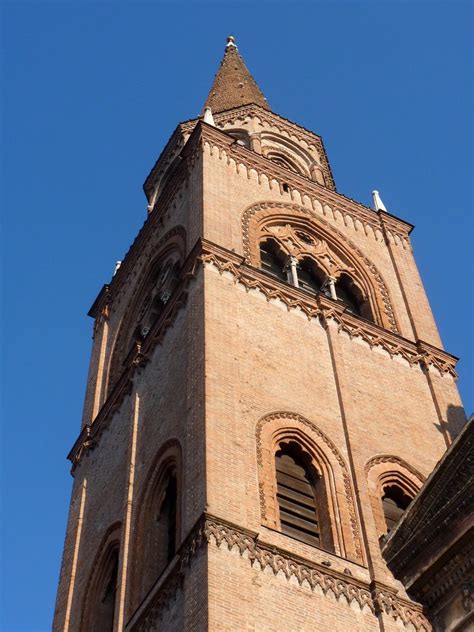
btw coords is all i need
(211, 530)
(313, 306)
(320, 306)
(295, 182)
(283, 125)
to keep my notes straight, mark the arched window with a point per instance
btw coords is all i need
(157, 528)
(349, 294)
(283, 161)
(301, 497)
(309, 277)
(394, 501)
(272, 259)
(160, 530)
(99, 610)
(104, 617)
(164, 282)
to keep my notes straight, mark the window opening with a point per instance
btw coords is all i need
(394, 502)
(347, 296)
(272, 260)
(308, 277)
(296, 498)
(103, 620)
(168, 515)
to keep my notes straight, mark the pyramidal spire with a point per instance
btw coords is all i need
(233, 84)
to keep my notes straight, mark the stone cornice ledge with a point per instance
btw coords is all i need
(211, 530)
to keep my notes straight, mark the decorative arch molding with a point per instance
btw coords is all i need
(280, 426)
(169, 457)
(384, 470)
(258, 218)
(173, 241)
(110, 543)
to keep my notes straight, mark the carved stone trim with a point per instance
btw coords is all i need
(292, 417)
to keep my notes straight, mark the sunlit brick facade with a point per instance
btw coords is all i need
(266, 383)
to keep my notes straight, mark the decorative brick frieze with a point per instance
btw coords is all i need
(407, 612)
(210, 530)
(229, 149)
(317, 306)
(322, 307)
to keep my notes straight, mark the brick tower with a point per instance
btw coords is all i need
(267, 392)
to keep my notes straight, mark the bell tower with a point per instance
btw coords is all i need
(267, 393)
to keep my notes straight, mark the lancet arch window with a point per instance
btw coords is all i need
(155, 287)
(273, 260)
(310, 277)
(393, 484)
(158, 524)
(98, 613)
(285, 162)
(163, 282)
(304, 486)
(301, 497)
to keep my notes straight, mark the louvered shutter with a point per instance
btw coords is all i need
(296, 500)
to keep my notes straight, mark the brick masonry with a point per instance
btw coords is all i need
(226, 358)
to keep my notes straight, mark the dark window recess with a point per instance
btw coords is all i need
(104, 615)
(296, 499)
(345, 295)
(168, 514)
(394, 502)
(271, 260)
(308, 277)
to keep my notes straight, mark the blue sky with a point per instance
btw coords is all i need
(91, 93)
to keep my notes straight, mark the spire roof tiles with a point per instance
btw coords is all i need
(233, 84)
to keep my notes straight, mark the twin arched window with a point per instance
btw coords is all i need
(305, 273)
